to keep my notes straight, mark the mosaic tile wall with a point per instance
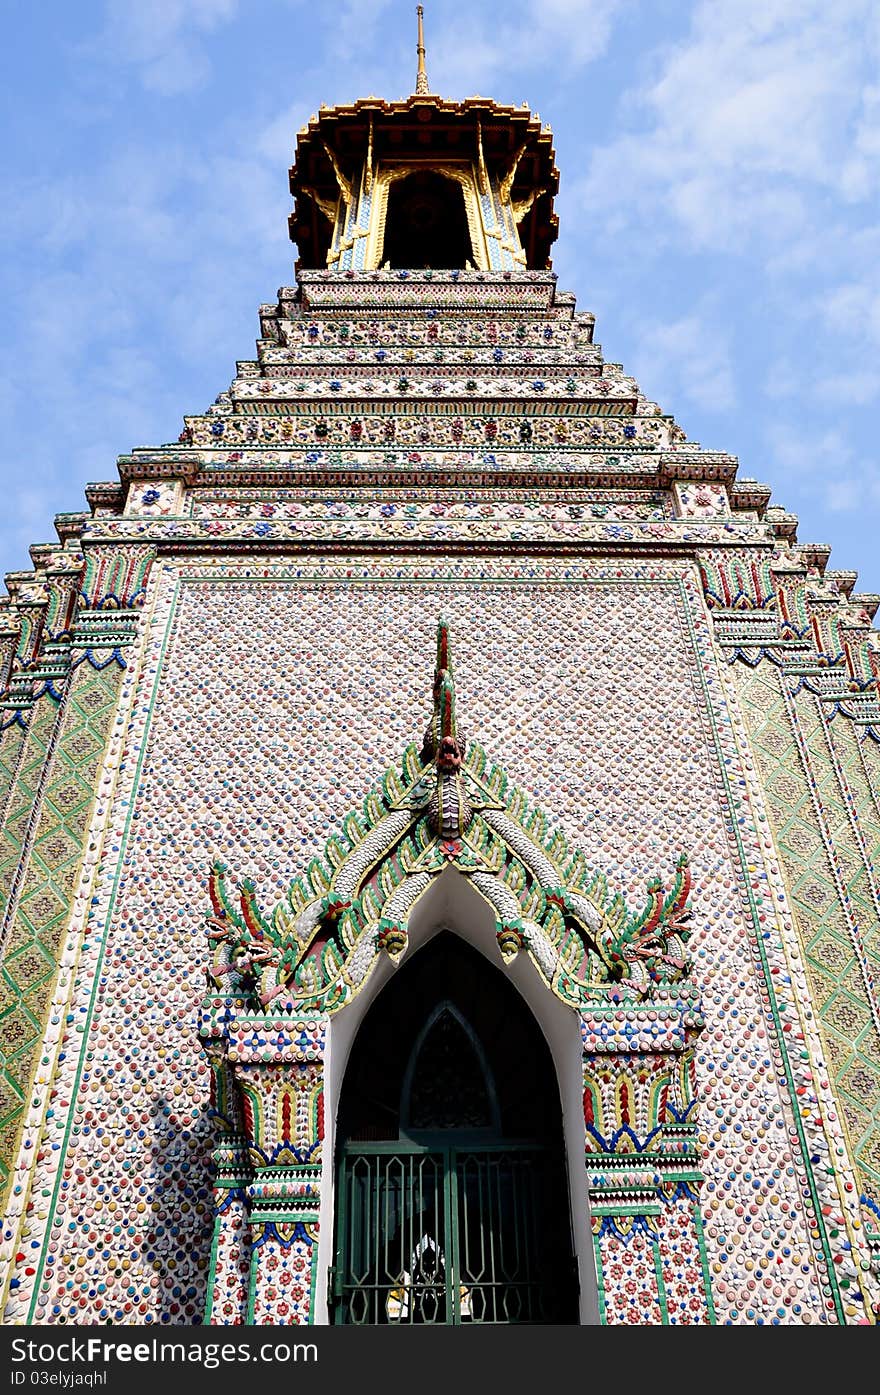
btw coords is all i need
(252, 749)
(55, 795)
(651, 655)
(27, 749)
(826, 822)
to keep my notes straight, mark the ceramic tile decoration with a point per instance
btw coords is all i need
(647, 796)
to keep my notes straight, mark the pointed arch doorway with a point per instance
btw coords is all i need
(451, 1196)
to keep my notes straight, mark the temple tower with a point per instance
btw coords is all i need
(562, 1009)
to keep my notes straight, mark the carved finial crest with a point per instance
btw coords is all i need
(443, 730)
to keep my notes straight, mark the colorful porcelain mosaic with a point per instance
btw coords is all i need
(615, 795)
(229, 662)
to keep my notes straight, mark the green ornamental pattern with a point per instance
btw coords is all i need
(25, 792)
(12, 741)
(30, 959)
(826, 850)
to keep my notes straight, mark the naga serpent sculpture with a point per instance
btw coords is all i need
(446, 808)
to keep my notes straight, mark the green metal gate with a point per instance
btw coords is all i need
(441, 1233)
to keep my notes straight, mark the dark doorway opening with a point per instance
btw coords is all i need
(452, 1196)
(426, 224)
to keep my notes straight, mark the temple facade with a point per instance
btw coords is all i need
(440, 820)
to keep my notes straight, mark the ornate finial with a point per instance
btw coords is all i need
(443, 660)
(422, 87)
(443, 719)
(450, 809)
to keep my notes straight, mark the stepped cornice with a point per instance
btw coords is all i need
(454, 291)
(476, 412)
(428, 472)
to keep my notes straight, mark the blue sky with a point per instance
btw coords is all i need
(719, 213)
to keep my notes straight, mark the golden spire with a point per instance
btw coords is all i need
(421, 77)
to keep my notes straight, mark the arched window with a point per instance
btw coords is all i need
(448, 1083)
(426, 224)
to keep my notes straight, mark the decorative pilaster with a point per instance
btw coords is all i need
(25, 734)
(809, 623)
(284, 1226)
(10, 630)
(227, 1290)
(267, 1186)
(642, 1160)
(66, 737)
(37, 676)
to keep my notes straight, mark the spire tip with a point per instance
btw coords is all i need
(422, 88)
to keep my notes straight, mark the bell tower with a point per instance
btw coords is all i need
(567, 1011)
(424, 184)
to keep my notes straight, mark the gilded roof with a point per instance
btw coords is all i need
(420, 127)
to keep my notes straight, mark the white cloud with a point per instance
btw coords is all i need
(355, 26)
(853, 308)
(161, 38)
(799, 453)
(823, 466)
(841, 496)
(857, 388)
(686, 360)
(474, 55)
(276, 141)
(781, 380)
(751, 145)
(757, 110)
